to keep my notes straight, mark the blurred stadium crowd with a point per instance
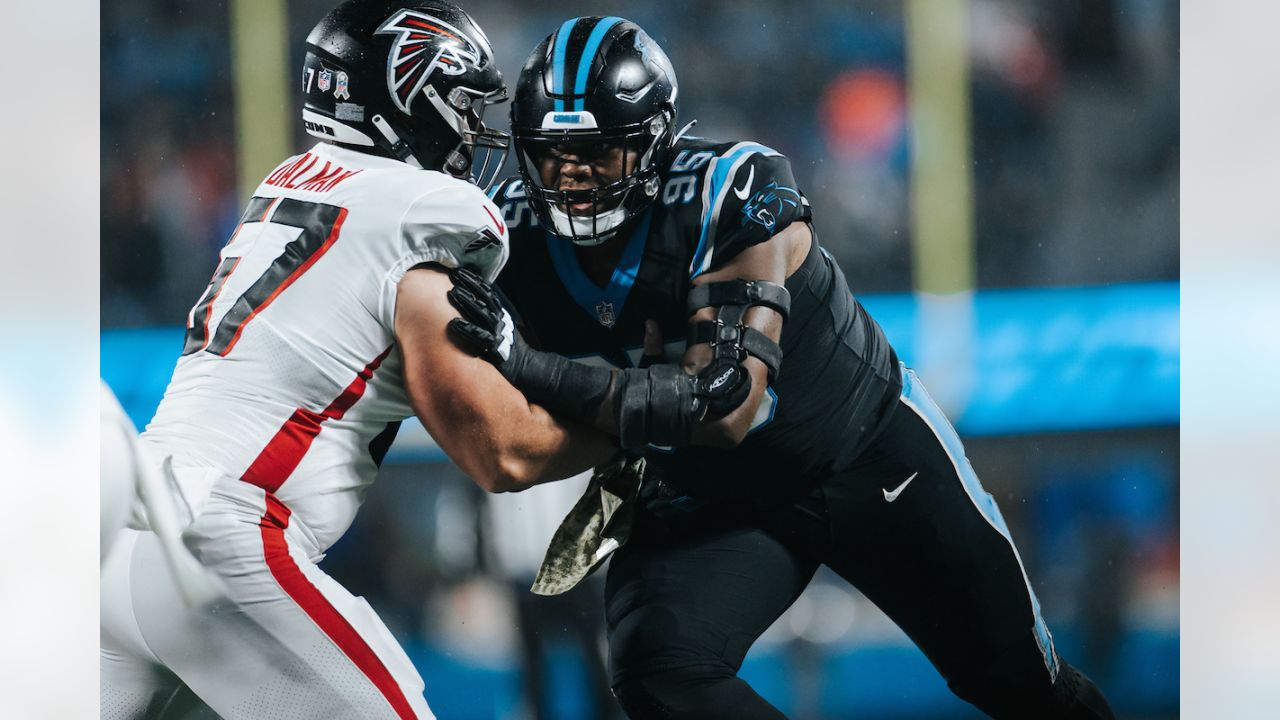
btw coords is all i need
(1075, 137)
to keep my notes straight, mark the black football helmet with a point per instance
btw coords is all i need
(597, 82)
(409, 80)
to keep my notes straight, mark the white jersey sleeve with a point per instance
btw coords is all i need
(454, 225)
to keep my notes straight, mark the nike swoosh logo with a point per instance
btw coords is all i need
(891, 496)
(746, 187)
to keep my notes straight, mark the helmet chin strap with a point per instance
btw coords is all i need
(457, 162)
(399, 148)
(580, 229)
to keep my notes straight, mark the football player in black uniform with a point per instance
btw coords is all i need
(779, 427)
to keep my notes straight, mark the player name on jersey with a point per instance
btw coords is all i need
(302, 174)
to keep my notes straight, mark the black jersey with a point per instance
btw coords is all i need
(838, 375)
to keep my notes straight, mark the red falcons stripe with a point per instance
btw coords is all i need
(501, 228)
(405, 69)
(414, 22)
(322, 613)
(281, 456)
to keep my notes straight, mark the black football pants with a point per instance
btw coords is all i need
(909, 525)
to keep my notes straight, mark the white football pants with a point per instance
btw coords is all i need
(288, 641)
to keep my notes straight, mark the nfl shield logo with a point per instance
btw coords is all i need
(604, 311)
(326, 77)
(340, 92)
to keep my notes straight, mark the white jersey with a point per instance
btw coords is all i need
(290, 378)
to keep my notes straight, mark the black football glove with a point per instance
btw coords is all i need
(485, 328)
(565, 388)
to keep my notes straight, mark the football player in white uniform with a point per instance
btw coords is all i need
(322, 328)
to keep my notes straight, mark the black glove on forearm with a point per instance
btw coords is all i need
(565, 388)
(659, 404)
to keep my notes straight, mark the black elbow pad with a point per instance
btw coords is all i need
(655, 405)
(730, 339)
(661, 404)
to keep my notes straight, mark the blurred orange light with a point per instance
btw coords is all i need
(862, 112)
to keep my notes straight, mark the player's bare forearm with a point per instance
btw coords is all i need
(565, 448)
(482, 423)
(504, 442)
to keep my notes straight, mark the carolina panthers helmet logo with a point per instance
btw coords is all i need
(423, 45)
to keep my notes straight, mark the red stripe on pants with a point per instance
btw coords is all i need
(269, 470)
(322, 613)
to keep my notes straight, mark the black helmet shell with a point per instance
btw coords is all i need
(595, 79)
(407, 80)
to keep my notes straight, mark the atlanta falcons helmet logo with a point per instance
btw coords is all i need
(423, 45)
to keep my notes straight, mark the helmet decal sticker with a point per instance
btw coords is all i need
(353, 112)
(409, 66)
